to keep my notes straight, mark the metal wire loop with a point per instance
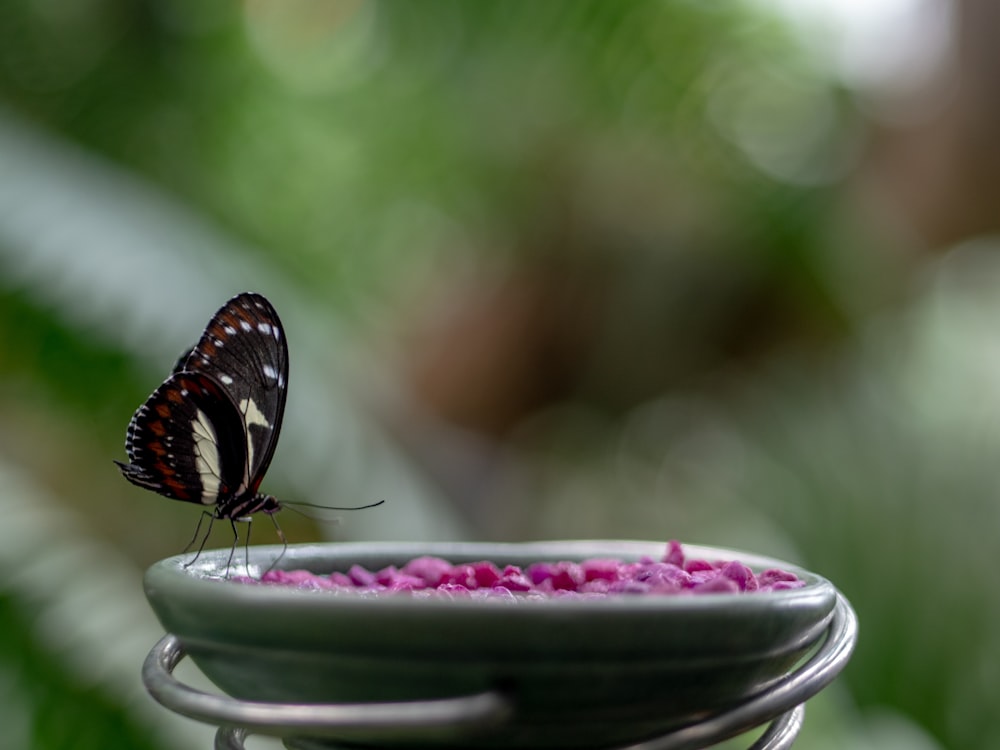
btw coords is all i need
(781, 704)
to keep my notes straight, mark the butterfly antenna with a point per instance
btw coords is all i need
(335, 507)
(197, 530)
(311, 516)
(330, 507)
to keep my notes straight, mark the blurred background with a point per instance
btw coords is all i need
(722, 272)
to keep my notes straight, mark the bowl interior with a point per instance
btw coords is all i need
(580, 672)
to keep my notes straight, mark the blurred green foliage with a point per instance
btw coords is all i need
(56, 711)
(41, 351)
(335, 132)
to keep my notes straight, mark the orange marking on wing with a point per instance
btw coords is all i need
(163, 410)
(246, 314)
(157, 428)
(178, 487)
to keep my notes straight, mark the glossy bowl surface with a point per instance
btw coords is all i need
(581, 673)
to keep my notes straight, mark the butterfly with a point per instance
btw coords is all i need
(208, 433)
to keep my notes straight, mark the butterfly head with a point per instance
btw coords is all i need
(267, 503)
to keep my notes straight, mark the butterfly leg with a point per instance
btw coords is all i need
(236, 541)
(246, 543)
(248, 520)
(284, 543)
(197, 530)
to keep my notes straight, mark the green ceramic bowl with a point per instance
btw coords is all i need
(579, 673)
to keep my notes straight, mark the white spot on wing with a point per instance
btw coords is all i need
(264, 328)
(246, 326)
(226, 380)
(269, 372)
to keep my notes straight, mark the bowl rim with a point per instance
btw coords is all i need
(202, 579)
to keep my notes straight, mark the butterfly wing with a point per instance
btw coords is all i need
(187, 441)
(243, 349)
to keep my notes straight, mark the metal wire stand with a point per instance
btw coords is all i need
(783, 705)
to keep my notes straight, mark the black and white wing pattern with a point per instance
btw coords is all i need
(186, 441)
(243, 348)
(208, 433)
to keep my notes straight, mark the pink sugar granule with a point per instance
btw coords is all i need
(423, 577)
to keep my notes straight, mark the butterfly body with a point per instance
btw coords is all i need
(208, 433)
